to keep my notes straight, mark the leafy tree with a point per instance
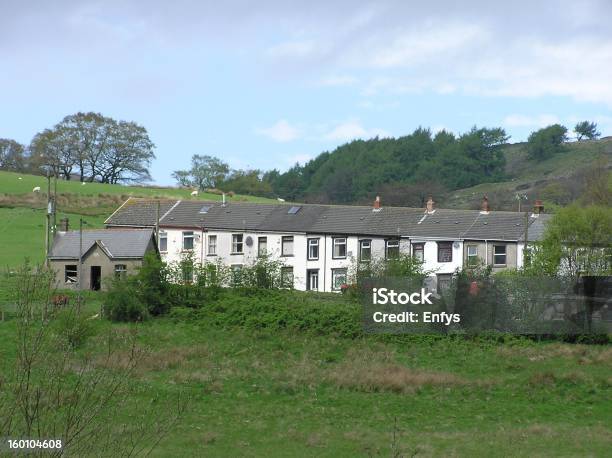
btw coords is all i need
(205, 172)
(577, 240)
(545, 143)
(586, 129)
(96, 147)
(247, 182)
(12, 155)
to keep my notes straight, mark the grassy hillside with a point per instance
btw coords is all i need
(10, 184)
(287, 394)
(557, 180)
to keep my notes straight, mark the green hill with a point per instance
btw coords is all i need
(558, 180)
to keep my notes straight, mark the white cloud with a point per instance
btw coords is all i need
(292, 49)
(519, 120)
(280, 132)
(338, 80)
(351, 130)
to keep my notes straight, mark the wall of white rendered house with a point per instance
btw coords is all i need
(318, 260)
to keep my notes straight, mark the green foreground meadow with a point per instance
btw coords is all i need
(273, 389)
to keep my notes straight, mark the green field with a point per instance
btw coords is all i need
(11, 184)
(257, 393)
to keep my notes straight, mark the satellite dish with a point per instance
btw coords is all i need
(456, 244)
(249, 240)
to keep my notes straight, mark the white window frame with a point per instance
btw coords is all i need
(388, 244)
(313, 243)
(338, 273)
(163, 235)
(451, 251)
(211, 250)
(365, 243)
(237, 244)
(504, 254)
(472, 259)
(339, 242)
(186, 236)
(310, 274)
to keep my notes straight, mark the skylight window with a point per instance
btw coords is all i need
(293, 210)
(205, 208)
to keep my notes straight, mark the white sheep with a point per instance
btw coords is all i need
(194, 193)
(36, 189)
(20, 178)
(280, 200)
(83, 183)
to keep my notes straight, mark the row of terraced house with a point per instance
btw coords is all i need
(316, 244)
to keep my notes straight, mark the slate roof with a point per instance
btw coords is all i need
(331, 219)
(537, 227)
(139, 212)
(117, 243)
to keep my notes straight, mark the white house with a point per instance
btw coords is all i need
(318, 243)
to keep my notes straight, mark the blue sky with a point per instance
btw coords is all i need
(266, 84)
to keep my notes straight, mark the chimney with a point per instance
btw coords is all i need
(376, 204)
(63, 225)
(431, 205)
(484, 206)
(538, 207)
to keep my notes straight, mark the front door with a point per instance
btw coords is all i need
(95, 278)
(312, 280)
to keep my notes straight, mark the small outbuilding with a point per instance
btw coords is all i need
(105, 254)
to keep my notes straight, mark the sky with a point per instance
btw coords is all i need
(267, 84)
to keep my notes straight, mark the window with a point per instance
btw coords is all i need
(163, 241)
(70, 273)
(286, 277)
(287, 246)
(262, 246)
(392, 249)
(444, 282)
(338, 279)
(499, 255)
(313, 280)
(237, 245)
(293, 210)
(120, 270)
(205, 209)
(418, 251)
(236, 274)
(212, 245)
(445, 251)
(188, 240)
(472, 255)
(365, 250)
(313, 249)
(339, 248)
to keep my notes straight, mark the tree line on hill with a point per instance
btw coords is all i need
(84, 146)
(403, 170)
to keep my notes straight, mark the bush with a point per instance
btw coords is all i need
(122, 302)
(74, 328)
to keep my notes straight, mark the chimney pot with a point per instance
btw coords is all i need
(538, 207)
(431, 205)
(484, 206)
(377, 203)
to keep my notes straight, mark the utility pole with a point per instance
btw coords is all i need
(157, 225)
(48, 219)
(80, 270)
(54, 227)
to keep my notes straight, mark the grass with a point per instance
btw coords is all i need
(10, 184)
(285, 393)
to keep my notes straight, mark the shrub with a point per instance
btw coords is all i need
(122, 302)
(74, 328)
